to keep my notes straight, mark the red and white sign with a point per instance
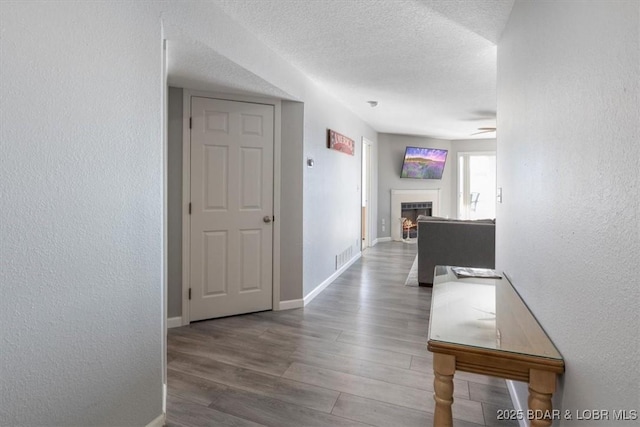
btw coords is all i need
(340, 142)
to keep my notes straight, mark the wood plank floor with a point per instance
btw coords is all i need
(355, 356)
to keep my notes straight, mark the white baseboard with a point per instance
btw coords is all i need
(314, 293)
(519, 404)
(164, 398)
(158, 422)
(381, 239)
(174, 322)
(290, 304)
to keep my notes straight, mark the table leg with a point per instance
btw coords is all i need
(444, 366)
(542, 384)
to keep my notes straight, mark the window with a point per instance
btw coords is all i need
(477, 185)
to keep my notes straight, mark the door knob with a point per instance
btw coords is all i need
(267, 219)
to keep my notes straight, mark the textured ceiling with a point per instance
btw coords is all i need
(430, 64)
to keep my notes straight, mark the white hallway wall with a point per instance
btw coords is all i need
(81, 217)
(568, 232)
(82, 263)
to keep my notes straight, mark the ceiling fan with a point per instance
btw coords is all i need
(485, 130)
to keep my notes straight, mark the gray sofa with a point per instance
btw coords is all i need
(454, 242)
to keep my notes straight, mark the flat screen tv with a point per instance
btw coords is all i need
(423, 163)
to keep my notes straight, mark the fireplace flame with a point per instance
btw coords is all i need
(407, 224)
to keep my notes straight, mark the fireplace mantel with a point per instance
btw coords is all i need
(410, 196)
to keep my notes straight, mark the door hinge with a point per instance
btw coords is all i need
(189, 208)
(189, 293)
(190, 122)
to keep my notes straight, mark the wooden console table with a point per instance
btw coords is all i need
(483, 326)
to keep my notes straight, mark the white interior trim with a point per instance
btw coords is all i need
(164, 397)
(369, 192)
(186, 189)
(292, 303)
(165, 222)
(517, 402)
(407, 196)
(174, 322)
(321, 287)
(158, 422)
(381, 239)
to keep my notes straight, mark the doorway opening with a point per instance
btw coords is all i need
(476, 185)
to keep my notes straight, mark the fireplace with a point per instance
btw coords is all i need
(411, 197)
(409, 212)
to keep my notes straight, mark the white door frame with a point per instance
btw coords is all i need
(186, 190)
(165, 223)
(465, 196)
(368, 225)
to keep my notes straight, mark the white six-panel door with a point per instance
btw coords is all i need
(231, 207)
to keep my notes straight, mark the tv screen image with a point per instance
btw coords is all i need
(423, 163)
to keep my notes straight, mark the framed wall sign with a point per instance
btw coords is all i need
(337, 141)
